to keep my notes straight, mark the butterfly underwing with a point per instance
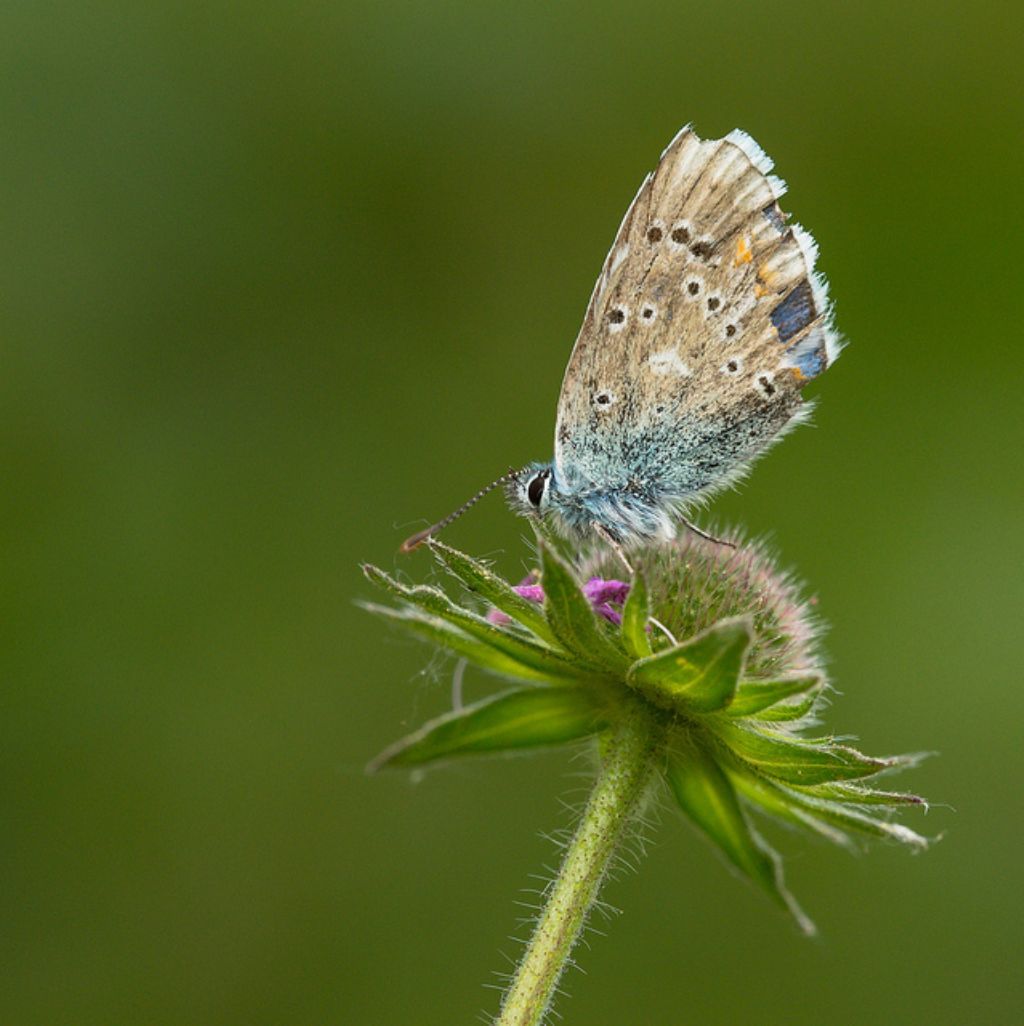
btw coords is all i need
(706, 322)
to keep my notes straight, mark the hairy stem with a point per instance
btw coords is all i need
(626, 767)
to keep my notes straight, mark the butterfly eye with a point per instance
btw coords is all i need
(535, 491)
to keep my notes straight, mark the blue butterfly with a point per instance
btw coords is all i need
(706, 322)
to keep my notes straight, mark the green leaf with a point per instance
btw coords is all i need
(572, 619)
(524, 718)
(547, 664)
(704, 793)
(634, 618)
(798, 761)
(753, 696)
(700, 674)
(482, 581)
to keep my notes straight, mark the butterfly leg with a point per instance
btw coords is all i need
(605, 535)
(707, 537)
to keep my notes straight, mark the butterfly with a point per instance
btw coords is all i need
(706, 322)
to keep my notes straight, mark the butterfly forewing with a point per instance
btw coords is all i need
(705, 322)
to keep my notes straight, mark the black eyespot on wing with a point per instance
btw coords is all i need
(616, 315)
(681, 236)
(654, 234)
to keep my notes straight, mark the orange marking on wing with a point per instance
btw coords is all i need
(743, 253)
(770, 278)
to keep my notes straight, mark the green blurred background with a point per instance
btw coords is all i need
(280, 280)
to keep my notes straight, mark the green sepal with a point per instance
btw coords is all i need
(436, 631)
(796, 760)
(766, 798)
(635, 612)
(705, 794)
(545, 663)
(572, 619)
(698, 675)
(850, 819)
(482, 581)
(785, 712)
(829, 818)
(857, 795)
(524, 718)
(754, 696)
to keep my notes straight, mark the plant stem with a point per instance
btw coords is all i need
(626, 767)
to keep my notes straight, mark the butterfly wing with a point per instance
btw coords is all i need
(706, 321)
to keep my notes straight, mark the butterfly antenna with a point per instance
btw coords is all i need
(416, 540)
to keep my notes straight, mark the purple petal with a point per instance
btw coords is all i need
(610, 614)
(599, 591)
(602, 594)
(533, 592)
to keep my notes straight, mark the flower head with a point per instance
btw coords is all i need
(713, 645)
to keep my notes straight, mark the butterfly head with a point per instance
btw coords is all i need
(530, 491)
(538, 493)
